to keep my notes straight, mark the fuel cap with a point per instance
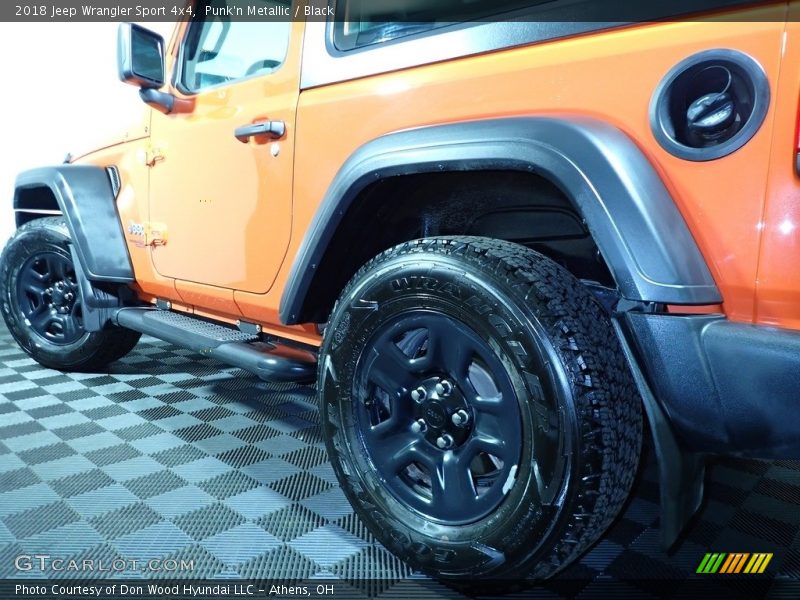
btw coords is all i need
(711, 114)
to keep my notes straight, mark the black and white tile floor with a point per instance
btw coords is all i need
(172, 455)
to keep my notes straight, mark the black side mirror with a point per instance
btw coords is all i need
(140, 56)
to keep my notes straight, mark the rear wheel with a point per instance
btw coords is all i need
(41, 302)
(477, 409)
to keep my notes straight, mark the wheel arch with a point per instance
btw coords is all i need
(612, 186)
(86, 197)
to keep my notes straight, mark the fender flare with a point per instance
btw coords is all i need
(630, 214)
(86, 198)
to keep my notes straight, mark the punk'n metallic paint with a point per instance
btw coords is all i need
(248, 219)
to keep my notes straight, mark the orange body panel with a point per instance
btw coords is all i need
(133, 207)
(610, 76)
(778, 282)
(227, 205)
(236, 214)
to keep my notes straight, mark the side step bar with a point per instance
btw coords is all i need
(270, 362)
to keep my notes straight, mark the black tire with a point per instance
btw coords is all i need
(35, 262)
(562, 395)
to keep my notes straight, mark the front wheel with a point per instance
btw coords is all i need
(477, 409)
(41, 302)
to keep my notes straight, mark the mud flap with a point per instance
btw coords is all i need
(681, 474)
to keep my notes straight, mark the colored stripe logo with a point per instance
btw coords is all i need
(733, 563)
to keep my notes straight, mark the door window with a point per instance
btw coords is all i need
(360, 23)
(221, 49)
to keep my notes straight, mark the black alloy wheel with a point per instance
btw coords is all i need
(440, 421)
(49, 299)
(477, 409)
(41, 302)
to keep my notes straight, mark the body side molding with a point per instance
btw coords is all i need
(86, 198)
(628, 210)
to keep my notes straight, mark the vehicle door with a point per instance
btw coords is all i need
(221, 177)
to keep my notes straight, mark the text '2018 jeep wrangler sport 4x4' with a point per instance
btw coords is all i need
(498, 245)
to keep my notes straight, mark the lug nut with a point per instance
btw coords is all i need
(419, 394)
(419, 426)
(49, 291)
(69, 296)
(444, 388)
(445, 441)
(460, 418)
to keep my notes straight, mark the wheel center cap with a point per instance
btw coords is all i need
(440, 413)
(58, 296)
(434, 414)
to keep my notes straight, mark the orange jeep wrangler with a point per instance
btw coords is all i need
(497, 242)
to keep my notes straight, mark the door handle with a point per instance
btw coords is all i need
(273, 129)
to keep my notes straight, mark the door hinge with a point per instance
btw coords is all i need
(152, 156)
(155, 234)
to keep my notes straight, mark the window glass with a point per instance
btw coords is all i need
(218, 50)
(360, 23)
(363, 22)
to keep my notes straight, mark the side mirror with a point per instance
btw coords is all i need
(140, 56)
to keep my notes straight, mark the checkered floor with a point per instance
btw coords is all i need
(172, 455)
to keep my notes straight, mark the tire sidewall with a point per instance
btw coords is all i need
(519, 338)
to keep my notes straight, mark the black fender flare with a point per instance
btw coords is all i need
(86, 198)
(628, 210)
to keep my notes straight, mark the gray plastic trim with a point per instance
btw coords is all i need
(86, 199)
(680, 473)
(725, 387)
(631, 215)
